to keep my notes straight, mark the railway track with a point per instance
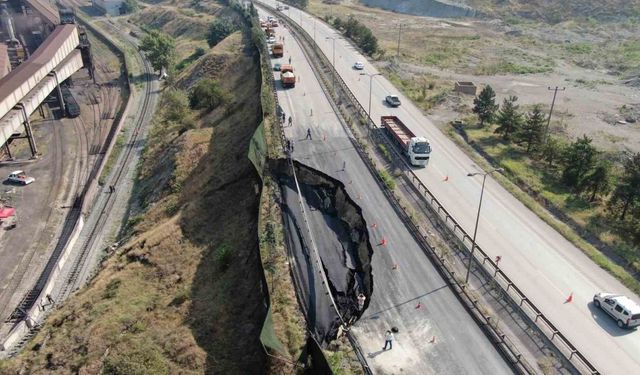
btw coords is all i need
(78, 270)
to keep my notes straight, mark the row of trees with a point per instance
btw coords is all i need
(582, 168)
(356, 31)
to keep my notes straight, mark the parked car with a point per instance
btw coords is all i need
(271, 40)
(393, 100)
(624, 310)
(277, 67)
(358, 65)
(19, 177)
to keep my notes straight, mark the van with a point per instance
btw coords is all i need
(625, 311)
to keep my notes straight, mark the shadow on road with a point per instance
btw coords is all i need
(607, 322)
(375, 354)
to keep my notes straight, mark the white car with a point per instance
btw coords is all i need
(19, 177)
(358, 65)
(625, 311)
(271, 40)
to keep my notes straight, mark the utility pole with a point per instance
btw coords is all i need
(399, 35)
(334, 61)
(371, 76)
(553, 102)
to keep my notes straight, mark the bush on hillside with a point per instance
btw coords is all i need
(219, 30)
(207, 94)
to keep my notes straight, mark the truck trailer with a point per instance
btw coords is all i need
(417, 149)
(287, 78)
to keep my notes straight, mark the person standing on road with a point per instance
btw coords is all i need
(289, 60)
(290, 120)
(283, 117)
(388, 339)
(361, 299)
(309, 134)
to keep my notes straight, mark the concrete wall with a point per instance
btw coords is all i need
(431, 8)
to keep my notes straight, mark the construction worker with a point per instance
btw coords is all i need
(309, 134)
(290, 120)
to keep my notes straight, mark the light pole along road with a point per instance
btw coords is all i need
(408, 292)
(544, 265)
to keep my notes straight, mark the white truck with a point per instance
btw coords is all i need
(417, 149)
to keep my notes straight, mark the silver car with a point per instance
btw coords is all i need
(625, 311)
(19, 177)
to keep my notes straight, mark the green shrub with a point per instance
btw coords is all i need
(136, 360)
(207, 94)
(111, 289)
(387, 179)
(224, 256)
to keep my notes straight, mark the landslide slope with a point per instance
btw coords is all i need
(183, 295)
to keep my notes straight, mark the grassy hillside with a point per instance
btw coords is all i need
(183, 295)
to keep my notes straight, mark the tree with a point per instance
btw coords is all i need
(626, 194)
(598, 182)
(579, 160)
(509, 119)
(160, 49)
(219, 30)
(207, 94)
(531, 132)
(552, 150)
(484, 105)
(129, 6)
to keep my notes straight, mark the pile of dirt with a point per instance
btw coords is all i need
(184, 294)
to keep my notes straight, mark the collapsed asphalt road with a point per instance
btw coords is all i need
(339, 233)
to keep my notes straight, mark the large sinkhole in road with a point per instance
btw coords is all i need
(336, 228)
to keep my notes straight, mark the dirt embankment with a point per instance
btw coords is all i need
(430, 8)
(184, 294)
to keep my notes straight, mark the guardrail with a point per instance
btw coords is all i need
(526, 307)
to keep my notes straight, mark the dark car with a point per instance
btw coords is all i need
(393, 100)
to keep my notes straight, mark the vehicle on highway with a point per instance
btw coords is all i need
(358, 65)
(277, 50)
(392, 100)
(417, 149)
(287, 78)
(19, 177)
(277, 67)
(271, 40)
(624, 310)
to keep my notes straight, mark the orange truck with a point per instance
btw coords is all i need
(287, 78)
(277, 50)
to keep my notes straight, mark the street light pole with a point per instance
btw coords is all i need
(371, 76)
(475, 230)
(334, 61)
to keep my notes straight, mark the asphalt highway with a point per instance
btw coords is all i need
(546, 266)
(436, 334)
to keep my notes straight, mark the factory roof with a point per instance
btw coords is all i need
(40, 57)
(5, 64)
(45, 10)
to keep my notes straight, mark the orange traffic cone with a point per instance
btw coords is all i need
(374, 225)
(383, 242)
(433, 340)
(569, 299)
(419, 305)
(445, 179)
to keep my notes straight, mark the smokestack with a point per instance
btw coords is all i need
(7, 23)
